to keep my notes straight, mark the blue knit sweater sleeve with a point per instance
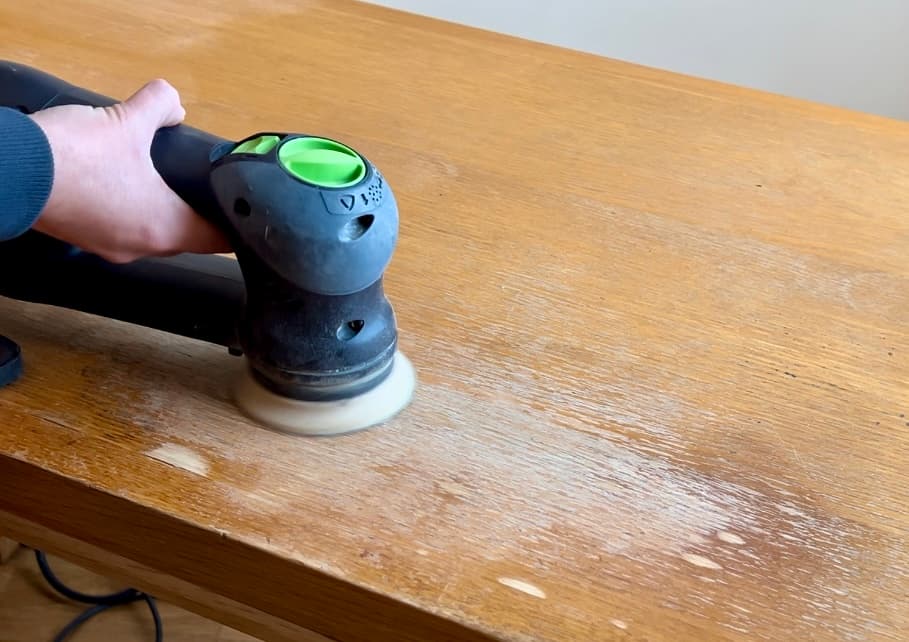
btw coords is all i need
(26, 172)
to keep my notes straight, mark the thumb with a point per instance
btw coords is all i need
(155, 105)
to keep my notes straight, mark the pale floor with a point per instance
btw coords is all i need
(30, 611)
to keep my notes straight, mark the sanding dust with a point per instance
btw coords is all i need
(524, 587)
(329, 417)
(791, 510)
(700, 560)
(180, 457)
(730, 538)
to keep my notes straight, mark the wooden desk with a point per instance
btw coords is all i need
(659, 323)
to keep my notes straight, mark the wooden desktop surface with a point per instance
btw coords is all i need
(659, 323)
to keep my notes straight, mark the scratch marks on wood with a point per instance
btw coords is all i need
(619, 624)
(524, 587)
(180, 457)
(57, 421)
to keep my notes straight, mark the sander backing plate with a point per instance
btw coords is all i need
(328, 417)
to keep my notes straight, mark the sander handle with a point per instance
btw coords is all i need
(192, 295)
(181, 154)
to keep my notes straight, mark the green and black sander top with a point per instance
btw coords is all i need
(313, 225)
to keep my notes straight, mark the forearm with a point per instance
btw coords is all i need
(26, 172)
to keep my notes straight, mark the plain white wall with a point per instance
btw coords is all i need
(850, 53)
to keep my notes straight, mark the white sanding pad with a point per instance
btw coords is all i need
(329, 417)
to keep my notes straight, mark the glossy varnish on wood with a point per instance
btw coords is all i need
(659, 324)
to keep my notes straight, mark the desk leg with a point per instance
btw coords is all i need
(7, 548)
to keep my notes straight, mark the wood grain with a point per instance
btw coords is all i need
(659, 325)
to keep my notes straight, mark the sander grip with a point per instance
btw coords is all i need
(181, 154)
(193, 295)
(198, 296)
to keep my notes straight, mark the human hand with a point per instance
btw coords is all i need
(107, 197)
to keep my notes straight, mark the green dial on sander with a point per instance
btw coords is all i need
(318, 161)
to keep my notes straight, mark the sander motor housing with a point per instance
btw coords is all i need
(313, 225)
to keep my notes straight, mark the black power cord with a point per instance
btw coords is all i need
(101, 602)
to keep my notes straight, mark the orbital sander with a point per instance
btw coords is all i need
(312, 224)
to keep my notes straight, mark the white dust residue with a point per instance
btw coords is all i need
(700, 560)
(180, 457)
(524, 587)
(730, 538)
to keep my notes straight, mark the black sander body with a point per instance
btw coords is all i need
(313, 225)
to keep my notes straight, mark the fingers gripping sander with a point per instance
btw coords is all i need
(313, 225)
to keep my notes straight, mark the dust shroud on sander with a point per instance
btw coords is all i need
(313, 225)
